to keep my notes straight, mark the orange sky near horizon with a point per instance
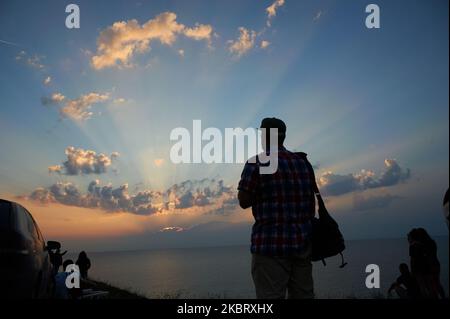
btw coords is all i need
(58, 221)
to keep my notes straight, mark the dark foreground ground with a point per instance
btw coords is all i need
(113, 292)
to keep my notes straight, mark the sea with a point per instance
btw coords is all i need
(224, 272)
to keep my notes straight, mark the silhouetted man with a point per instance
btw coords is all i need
(56, 259)
(406, 285)
(61, 289)
(283, 205)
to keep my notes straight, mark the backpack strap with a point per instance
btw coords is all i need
(343, 263)
(323, 212)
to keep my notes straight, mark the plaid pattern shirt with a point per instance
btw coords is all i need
(283, 205)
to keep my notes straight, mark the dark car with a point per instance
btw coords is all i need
(25, 268)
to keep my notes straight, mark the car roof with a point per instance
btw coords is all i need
(6, 214)
(13, 204)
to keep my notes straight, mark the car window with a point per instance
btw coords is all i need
(26, 223)
(21, 221)
(5, 214)
(36, 227)
(31, 227)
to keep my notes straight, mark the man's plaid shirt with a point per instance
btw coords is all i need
(283, 206)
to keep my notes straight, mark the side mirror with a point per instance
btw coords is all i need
(53, 245)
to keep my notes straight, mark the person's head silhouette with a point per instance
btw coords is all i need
(404, 270)
(82, 255)
(272, 123)
(413, 236)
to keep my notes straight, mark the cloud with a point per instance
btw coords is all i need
(172, 229)
(196, 193)
(362, 203)
(21, 55)
(9, 43)
(207, 194)
(55, 169)
(181, 52)
(78, 109)
(199, 32)
(117, 44)
(246, 40)
(190, 199)
(272, 10)
(192, 193)
(227, 207)
(104, 197)
(55, 98)
(34, 61)
(244, 43)
(86, 52)
(81, 161)
(120, 101)
(335, 184)
(393, 174)
(47, 80)
(264, 44)
(318, 15)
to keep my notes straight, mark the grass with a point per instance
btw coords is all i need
(120, 293)
(187, 295)
(113, 292)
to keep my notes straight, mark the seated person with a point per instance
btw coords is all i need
(405, 286)
(61, 289)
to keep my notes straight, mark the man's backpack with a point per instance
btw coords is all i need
(327, 240)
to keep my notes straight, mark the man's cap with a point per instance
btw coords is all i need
(273, 122)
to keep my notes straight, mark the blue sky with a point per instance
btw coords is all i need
(351, 98)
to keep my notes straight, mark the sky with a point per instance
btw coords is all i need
(86, 114)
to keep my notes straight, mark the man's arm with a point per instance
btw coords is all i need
(397, 283)
(245, 199)
(248, 185)
(392, 287)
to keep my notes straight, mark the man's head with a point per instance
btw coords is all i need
(273, 123)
